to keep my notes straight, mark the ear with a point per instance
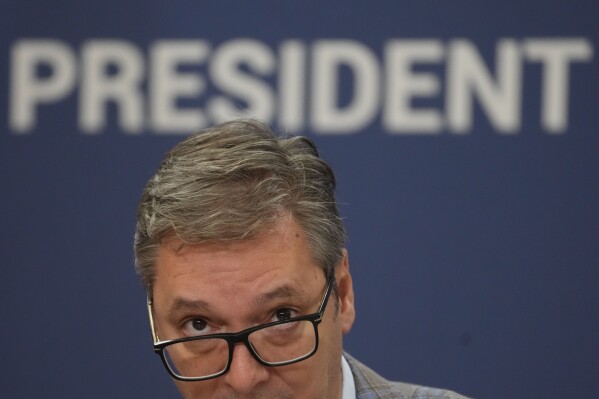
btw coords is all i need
(347, 312)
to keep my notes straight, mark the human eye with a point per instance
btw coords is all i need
(284, 314)
(197, 326)
(287, 325)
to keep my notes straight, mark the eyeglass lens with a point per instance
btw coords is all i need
(278, 344)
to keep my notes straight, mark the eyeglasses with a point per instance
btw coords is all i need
(273, 344)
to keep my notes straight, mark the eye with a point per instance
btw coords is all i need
(284, 314)
(199, 324)
(196, 327)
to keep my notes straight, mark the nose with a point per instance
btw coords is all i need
(245, 373)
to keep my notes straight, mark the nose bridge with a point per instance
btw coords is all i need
(242, 339)
(245, 371)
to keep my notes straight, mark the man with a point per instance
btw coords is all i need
(241, 247)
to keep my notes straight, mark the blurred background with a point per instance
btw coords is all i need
(465, 140)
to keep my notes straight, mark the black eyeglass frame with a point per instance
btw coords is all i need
(241, 336)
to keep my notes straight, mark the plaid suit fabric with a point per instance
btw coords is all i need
(370, 385)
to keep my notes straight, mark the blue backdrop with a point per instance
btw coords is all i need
(464, 137)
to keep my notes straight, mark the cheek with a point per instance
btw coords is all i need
(196, 390)
(331, 335)
(331, 340)
(320, 375)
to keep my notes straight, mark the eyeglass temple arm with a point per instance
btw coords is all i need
(151, 317)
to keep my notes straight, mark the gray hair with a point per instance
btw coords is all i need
(232, 182)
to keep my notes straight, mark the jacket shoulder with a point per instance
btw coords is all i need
(370, 385)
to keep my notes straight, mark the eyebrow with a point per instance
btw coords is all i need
(282, 292)
(180, 304)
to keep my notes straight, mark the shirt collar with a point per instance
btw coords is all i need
(349, 387)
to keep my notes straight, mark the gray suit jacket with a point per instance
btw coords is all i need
(370, 385)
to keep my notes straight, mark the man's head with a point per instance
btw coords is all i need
(233, 182)
(238, 229)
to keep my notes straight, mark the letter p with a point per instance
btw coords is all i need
(28, 88)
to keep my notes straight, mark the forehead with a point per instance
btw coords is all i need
(279, 256)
